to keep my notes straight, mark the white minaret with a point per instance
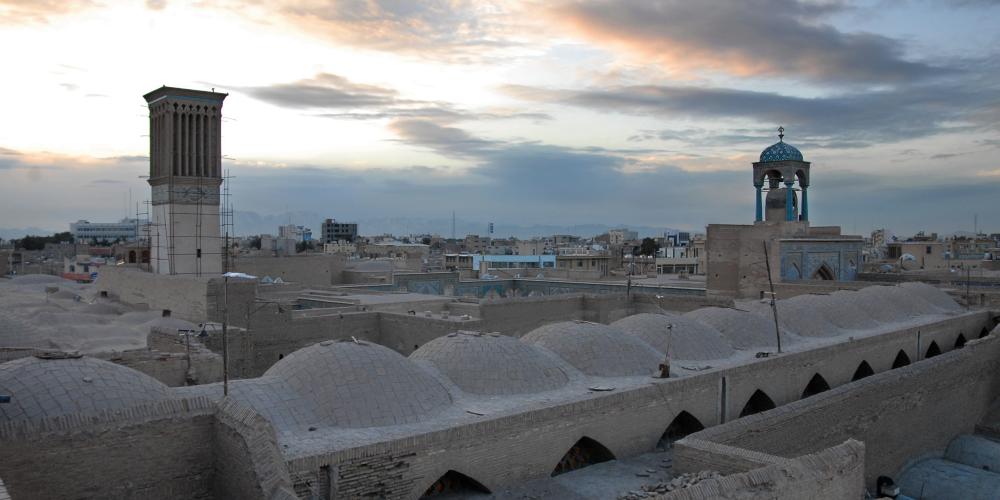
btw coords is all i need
(185, 172)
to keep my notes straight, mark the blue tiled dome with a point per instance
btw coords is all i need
(780, 151)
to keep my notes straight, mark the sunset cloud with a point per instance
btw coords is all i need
(852, 119)
(463, 31)
(39, 11)
(574, 111)
(751, 38)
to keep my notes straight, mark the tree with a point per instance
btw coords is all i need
(255, 242)
(302, 246)
(38, 242)
(426, 240)
(648, 247)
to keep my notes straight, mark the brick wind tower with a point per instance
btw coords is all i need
(185, 174)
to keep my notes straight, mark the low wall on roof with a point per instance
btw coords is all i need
(519, 315)
(308, 269)
(272, 334)
(162, 450)
(405, 333)
(899, 414)
(835, 473)
(183, 448)
(196, 299)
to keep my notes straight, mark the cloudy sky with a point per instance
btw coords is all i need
(521, 112)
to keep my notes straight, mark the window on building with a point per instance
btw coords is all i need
(928, 249)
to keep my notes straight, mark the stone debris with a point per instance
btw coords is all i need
(662, 487)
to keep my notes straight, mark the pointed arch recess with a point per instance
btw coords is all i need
(583, 453)
(902, 359)
(817, 384)
(757, 403)
(864, 370)
(932, 350)
(682, 425)
(452, 482)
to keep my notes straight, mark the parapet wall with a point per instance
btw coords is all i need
(510, 448)
(835, 473)
(185, 297)
(195, 299)
(273, 334)
(311, 270)
(899, 414)
(519, 315)
(405, 333)
(248, 462)
(162, 450)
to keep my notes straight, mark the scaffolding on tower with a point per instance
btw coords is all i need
(226, 223)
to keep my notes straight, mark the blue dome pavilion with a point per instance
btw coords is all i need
(781, 164)
(780, 151)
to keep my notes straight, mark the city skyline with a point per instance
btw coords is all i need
(517, 112)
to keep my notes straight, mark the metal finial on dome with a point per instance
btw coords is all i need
(781, 134)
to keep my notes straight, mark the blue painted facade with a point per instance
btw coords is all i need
(449, 284)
(515, 261)
(806, 259)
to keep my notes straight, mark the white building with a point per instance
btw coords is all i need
(297, 233)
(125, 229)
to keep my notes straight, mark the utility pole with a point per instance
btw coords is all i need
(225, 340)
(968, 278)
(665, 366)
(774, 305)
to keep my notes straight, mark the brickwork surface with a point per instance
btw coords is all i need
(163, 450)
(899, 414)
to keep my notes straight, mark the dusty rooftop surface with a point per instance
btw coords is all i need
(603, 481)
(49, 312)
(372, 298)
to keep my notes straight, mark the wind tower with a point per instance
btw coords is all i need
(185, 172)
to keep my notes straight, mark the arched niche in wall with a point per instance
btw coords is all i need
(824, 273)
(816, 385)
(757, 403)
(864, 370)
(455, 483)
(901, 359)
(682, 425)
(960, 341)
(583, 453)
(932, 350)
